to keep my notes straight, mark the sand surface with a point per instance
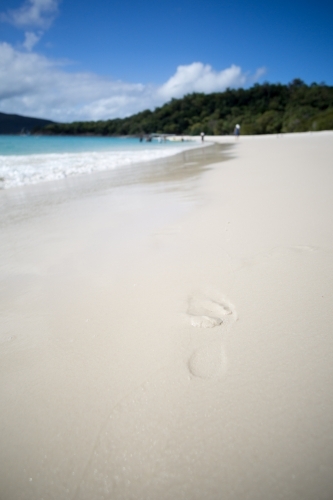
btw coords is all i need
(172, 338)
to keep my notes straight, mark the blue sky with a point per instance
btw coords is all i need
(78, 60)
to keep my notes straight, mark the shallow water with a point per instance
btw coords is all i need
(31, 159)
(170, 172)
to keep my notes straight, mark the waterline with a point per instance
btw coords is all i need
(31, 160)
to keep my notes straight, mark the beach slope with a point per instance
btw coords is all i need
(173, 340)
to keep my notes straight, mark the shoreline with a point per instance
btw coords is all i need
(34, 165)
(172, 337)
(173, 168)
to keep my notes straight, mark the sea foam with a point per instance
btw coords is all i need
(20, 170)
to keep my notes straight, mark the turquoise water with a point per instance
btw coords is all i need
(33, 159)
(28, 145)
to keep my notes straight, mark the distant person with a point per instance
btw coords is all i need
(202, 136)
(237, 131)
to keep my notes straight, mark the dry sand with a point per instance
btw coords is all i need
(173, 339)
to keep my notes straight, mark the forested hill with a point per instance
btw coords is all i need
(262, 109)
(16, 124)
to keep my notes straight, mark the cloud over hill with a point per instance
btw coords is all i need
(34, 85)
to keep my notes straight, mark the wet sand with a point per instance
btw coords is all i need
(169, 335)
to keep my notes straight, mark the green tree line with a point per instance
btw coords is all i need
(261, 109)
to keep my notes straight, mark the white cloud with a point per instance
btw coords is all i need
(198, 77)
(33, 13)
(30, 40)
(258, 74)
(33, 85)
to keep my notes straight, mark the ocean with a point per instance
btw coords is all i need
(33, 159)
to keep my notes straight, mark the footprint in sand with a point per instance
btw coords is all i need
(209, 361)
(207, 313)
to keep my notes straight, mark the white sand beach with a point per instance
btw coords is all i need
(173, 339)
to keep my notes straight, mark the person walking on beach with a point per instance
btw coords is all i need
(202, 136)
(237, 131)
